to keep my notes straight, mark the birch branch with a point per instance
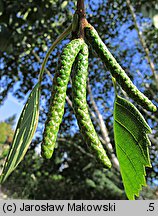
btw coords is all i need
(142, 41)
(104, 131)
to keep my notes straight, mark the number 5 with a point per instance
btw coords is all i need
(151, 206)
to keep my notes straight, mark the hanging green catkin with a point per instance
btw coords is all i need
(57, 101)
(117, 72)
(81, 109)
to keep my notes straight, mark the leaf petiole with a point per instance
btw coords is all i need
(115, 87)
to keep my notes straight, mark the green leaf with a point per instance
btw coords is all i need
(24, 132)
(130, 133)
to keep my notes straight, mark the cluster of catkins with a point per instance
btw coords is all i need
(75, 55)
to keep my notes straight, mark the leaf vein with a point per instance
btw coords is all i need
(142, 151)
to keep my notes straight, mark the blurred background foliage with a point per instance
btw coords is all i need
(27, 29)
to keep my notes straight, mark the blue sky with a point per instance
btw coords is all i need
(10, 107)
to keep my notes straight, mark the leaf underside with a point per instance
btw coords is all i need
(131, 140)
(24, 132)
